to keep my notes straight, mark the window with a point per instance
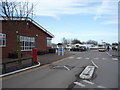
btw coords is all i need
(27, 43)
(49, 44)
(2, 40)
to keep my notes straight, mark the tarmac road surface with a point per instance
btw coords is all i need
(64, 73)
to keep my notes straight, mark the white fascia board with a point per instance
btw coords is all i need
(31, 20)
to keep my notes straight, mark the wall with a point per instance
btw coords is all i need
(25, 29)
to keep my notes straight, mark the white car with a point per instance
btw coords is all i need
(102, 49)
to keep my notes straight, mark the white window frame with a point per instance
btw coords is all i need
(27, 43)
(49, 42)
(2, 39)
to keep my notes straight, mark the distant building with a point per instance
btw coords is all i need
(32, 35)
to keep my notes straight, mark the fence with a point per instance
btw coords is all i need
(4, 64)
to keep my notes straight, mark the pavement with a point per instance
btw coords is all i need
(49, 58)
(43, 59)
(113, 53)
(47, 76)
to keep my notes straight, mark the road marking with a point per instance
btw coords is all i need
(79, 58)
(108, 54)
(71, 57)
(88, 82)
(114, 58)
(66, 67)
(94, 64)
(79, 84)
(101, 86)
(104, 58)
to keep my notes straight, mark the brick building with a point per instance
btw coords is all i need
(32, 35)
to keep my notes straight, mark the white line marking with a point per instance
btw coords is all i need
(20, 70)
(88, 82)
(79, 84)
(114, 58)
(108, 54)
(94, 64)
(71, 57)
(101, 86)
(104, 58)
(66, 68)
(78, 57)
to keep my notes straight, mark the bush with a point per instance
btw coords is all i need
(52, 50)
(13, 55)
(40, 52)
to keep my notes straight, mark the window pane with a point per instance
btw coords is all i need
(27, 43)
(2, 39)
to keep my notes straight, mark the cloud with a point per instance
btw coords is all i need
(68, 34)
(54, 8)
(108, 8)
(110, 22)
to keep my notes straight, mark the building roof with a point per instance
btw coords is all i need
(32, 21)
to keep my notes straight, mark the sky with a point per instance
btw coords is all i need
(81, 19)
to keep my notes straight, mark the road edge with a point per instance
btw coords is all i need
(17, 71)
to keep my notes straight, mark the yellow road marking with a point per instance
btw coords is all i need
(31, 70)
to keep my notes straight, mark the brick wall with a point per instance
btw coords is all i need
(25, 29)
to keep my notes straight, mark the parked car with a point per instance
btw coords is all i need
(80, 48)
(115, 46)
(74, 49)
(102, 49)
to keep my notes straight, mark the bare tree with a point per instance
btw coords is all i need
(92, 42)
(75, 41)
(65, 41)
(16, 11)
(10, 10)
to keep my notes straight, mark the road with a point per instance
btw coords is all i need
(52, 76)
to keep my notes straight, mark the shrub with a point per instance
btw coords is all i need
(52, 50)
(42, 52)
(13, 55)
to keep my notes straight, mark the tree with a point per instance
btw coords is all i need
(75, 41)
(92, 42)
(65, 41)
(10, 10)
(16, 11)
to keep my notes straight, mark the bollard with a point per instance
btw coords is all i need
(34, 54)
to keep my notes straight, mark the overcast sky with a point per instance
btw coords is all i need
(81, 19)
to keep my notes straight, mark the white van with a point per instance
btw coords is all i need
(101, 48)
